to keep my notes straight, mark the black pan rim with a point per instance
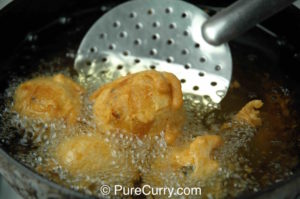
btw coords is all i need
(42, 179)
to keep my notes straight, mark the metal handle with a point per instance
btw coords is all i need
(4, 3)
(238, 18)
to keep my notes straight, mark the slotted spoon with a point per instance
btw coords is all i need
(172, 36)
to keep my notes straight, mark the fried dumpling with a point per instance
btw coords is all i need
(142, 103)
(49, 98)
(198, 156)
(91, 155)
(250, 113)
(191, 162)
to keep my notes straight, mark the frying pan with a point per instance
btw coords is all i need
(31, 31)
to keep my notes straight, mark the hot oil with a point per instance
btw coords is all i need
(242, 167)
(38, 140)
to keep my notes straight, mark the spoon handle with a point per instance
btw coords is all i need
(238, 18)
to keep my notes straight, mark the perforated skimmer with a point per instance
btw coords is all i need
(164, 35)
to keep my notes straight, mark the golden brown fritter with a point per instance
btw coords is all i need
(142, 103)
(250, 113)
(195, 155)
(49, 98)
(91, 155)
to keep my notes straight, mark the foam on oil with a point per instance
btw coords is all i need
(32, 142)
